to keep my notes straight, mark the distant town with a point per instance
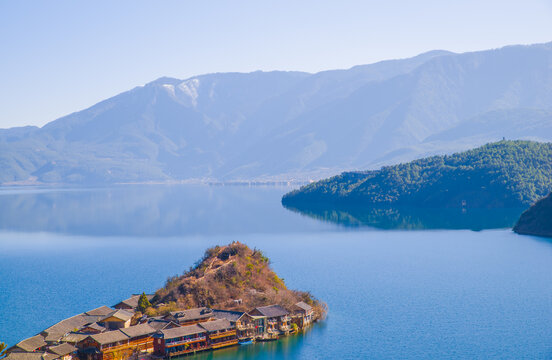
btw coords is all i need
(120, 332)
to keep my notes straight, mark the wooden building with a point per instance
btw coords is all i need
(117, 319)
(303, 314)
(180, 340)
(105, 346)
(277, 320)
(220, 333)
(63, 352)
(117, 344)
(250, 326)
(140, 337)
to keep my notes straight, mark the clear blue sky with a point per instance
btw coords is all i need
(62, 56)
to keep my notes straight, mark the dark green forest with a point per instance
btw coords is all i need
(504, 174)
(537, 220)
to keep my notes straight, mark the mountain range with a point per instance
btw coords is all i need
(286, 126)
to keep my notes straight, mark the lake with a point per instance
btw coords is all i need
(392, 293)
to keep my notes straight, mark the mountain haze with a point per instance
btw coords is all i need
(292, 125)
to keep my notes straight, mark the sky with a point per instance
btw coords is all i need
(58, 57)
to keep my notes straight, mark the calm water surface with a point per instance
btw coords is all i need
(392, 294)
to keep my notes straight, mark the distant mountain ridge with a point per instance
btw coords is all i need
(291, 125)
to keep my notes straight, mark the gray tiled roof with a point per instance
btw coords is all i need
(232, 316)
(159, 324)
(133, 300)
(50, 356)
(272, 311)
(32, 343)
(304, 306)
(73, 338)
(182, 331)
(192, 314)
(94, 326)
(24, 356)
(138, 330)
(109, 337)
(216, 325)
(119, 314)
(100, 311)
(56, 332)
(62, 349)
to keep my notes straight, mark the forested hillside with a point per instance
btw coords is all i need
(497, 175)
(537, 220)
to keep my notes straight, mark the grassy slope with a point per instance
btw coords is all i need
(231, 272)
(501, 174)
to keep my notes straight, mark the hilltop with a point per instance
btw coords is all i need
(498, 175)
(285, 126)
(537, 220)
(231, 277)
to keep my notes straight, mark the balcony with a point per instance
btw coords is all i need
(187, 351)
(223, 334)
(187, 341)
(224, 343)
(285, 328)
(245, 327)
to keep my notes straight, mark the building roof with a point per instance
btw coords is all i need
(109, 337)
(272, 311)
(50, 356)
(216, 325)
(62, 349)
(119, 314)
(133, 300)
(138, 330)
(94, 326)
(159, 324)
(100, 311)
(192, 314)
(232, 316)
(182, 331)
(57, 331)
(26, 356)
(32, 343)
(304, 306)
(73, 338)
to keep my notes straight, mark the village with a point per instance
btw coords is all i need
(116, 333)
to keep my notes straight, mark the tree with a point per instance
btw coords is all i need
(2, 350)
(143, 303)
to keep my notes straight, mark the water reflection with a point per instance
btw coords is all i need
(414, 218)
(287, 347)
(149, 210)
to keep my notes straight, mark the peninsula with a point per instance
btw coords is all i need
(537, 220)
(504, 174)
(230, 297)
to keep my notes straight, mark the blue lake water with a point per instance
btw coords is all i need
(392, 294)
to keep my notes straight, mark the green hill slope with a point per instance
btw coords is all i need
(537, 220)
(502, 174)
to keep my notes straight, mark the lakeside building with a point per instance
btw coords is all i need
(278, 321)
(304, 313)
(180, 340)
(112, 334)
